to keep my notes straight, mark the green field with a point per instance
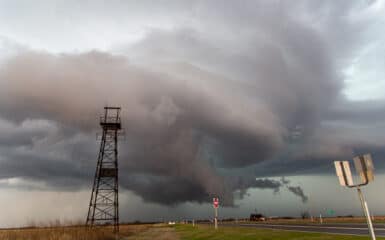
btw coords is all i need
(188, 232)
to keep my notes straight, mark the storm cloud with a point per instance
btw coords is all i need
(299, 192)
(204, 104)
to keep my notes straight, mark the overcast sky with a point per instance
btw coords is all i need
(250, 101)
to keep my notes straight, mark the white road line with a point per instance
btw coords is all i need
(329, 233)
(304, 226)
(304, 231)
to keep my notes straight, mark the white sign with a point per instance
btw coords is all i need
(343, 172)
(364, 167)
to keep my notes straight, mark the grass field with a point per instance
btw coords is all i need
(200, 232)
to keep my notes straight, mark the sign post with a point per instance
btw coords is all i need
(215, 205)
(364, 168)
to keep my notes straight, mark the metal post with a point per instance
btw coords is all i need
(367, 214)
(216, 218)
(193, 222)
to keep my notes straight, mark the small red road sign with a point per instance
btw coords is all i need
(215, 202)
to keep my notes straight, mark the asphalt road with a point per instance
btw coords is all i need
(337, 228)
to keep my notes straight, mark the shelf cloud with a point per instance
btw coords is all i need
(206, 105)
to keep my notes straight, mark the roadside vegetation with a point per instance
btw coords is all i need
(69, 233)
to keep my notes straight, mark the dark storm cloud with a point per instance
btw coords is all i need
(167, 122)
(179, 189)
(52, 154)
(243, 184)
(223, 93)
(166, 190)
(299, 192)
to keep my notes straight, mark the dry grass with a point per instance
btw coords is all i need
(69, 233)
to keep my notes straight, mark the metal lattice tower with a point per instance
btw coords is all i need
(104, 202)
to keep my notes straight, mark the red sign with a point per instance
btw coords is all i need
(215, 202)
